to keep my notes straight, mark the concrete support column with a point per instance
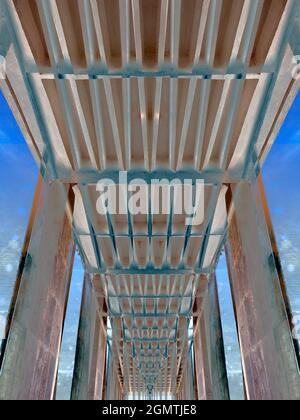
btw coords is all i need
(114, 389)
(30, 362)
(89, 373)
(211, 374)
(186, 388)
(268, 356)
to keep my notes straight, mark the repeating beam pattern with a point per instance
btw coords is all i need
(158, 88)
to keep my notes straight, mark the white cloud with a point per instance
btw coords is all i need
(8, 153)
(9, 256)
(296, 330)
(3, 136)
(9, 268)
(296, 136)
(291, 268)
(14, 244)
(288, 153)
(286, 244)
(2, 327)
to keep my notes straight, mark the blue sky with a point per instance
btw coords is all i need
(281, 175)
(18, 176)
(290, 132)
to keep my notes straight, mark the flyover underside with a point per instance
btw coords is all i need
(162, 90)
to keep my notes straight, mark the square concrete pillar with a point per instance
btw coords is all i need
(90, 362)
(114, 390)
(30, 362)
(269, 360)
(211, 374)
(186, 387)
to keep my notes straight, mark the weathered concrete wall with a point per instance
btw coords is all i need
(114, 390)
(186, 388)
(4, 33)
(89, 374)
(268, 356)
(211, 374)
(30, 365)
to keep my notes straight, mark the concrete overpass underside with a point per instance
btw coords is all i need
(154, 89)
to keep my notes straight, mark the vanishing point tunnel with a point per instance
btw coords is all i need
(130, 109)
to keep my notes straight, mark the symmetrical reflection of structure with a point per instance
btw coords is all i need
(162, 89)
